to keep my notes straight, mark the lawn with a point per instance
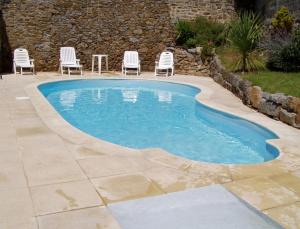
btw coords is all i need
(287, 83)
(269, 81)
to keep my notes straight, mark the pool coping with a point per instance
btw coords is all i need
(67, 131)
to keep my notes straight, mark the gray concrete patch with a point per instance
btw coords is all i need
(207, 207)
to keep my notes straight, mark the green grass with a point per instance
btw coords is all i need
(273, 82)
(269, 81)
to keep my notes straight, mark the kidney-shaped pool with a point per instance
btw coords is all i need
(152, 114)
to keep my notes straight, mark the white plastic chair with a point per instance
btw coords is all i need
(21, 60)
(165, 63)
(132, 62)
(68, 60)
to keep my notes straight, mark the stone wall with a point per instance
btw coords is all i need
(100, 26)
(219, 10)
(91, 26)
(277, 106)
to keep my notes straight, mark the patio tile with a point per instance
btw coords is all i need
(40, 141)
(9, 156)
(90, 218)
(288, 216)
(28, 224)
(8, 144)
(289, 161)
(289, 180)
(164, 158)
(64, 197)
(172, 180)
(125, 187)
(108, 166)
(248, 171)
(12, 175)
(204, 171)
(262, 193)
(29, 131)
(49, 166)
(16, 205)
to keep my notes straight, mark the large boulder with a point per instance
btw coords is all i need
(255, 96)
(287, 117)
(269, 108)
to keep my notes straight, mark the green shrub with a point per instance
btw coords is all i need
(283, 20)
(200, 32)
(244, 35)
(184, 32)
(284, 53)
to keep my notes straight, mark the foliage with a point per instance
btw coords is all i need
(284, 52)
(283, 20)
(184, 32)
(200, 32)
(274, 82)
(244, 35)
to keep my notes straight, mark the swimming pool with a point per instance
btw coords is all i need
(152, 114)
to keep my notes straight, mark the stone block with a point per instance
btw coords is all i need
(269, 108)
(287, 117)
(255, 96)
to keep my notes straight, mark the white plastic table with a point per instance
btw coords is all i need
(99, 56)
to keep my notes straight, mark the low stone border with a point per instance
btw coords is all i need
(277, 106)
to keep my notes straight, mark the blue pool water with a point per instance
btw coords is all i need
(152, 114)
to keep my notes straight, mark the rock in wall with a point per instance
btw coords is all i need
(219, 10)
(91, 26)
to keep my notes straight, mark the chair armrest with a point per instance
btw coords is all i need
(156, 63)
(31, 61)
(77, 61)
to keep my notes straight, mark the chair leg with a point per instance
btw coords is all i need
(62, 70)
(69, 72)
(21, 71)
(15, 69)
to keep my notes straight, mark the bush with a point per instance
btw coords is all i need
(244, 35)
(200, 32)
(283, 20)
(184, 32)
(284, 53)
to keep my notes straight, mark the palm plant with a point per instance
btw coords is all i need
(245, 34)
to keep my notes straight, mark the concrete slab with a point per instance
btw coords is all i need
(208, 207)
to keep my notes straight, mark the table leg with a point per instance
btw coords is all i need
(93, 64)
(99, 64)
(106, 63)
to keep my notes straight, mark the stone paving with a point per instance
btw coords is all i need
(55, 176)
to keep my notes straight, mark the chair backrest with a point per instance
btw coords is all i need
(67, 55)
(131, 59)
(21, 57)
(166, 59)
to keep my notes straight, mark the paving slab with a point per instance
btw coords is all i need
(125, 187)
(263, 193)
(12, 175)
(15, 205)
(208, 207)
(287, 216)
(64, 197)
(90, 218)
